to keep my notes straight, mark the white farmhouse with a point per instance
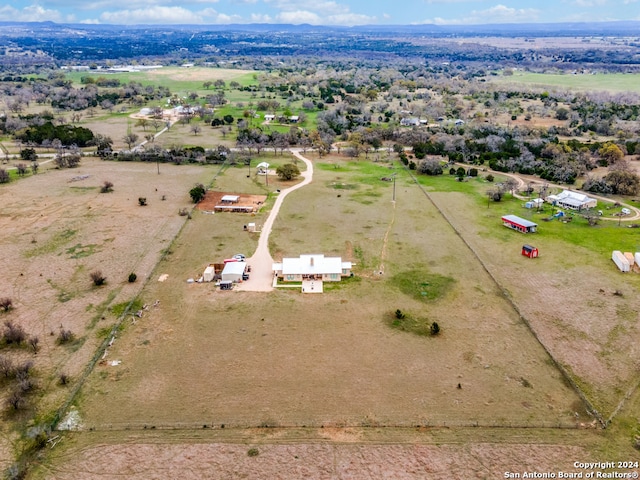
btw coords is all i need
(572, 200)
(314, 267)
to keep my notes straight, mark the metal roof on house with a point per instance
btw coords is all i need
(314, 264)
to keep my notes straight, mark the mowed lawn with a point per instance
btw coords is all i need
(285, 359)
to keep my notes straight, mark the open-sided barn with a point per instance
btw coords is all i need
(519, 224)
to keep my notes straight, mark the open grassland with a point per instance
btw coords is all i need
(310, 379)
(283, 359)
(577, 302)
(56, 229)
(179, 80)
(609, 82)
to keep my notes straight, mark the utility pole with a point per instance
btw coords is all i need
(394, 187)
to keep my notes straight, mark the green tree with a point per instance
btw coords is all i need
(197, 193)
(610, 153)
(623, 182)
(562, 113)
(288, 171)
(28, 154)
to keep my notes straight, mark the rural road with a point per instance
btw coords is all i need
(261, 279)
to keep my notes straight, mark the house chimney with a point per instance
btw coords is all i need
(311, 262)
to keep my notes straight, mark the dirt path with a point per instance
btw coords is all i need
(261, 261)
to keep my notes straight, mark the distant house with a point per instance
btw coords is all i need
(410, 121)
(269, 117)
(572, 200)
(312, 267)
(294, 119)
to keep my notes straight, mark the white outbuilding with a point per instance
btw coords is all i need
(233, 271)
(262, 168)
(209, 273)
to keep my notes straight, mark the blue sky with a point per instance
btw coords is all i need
(319, 12)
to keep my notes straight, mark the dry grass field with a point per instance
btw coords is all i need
(57, 228)
(321, 385)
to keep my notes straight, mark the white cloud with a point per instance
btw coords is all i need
(260, 18)
(350, 19)
(33, 13)
(589, 3)
(321, 12)
(167, 15)
(321, 7)
(496, 14)
(298, 17)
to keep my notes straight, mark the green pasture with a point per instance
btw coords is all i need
(601, 239)
(610, 82)
(176, 79)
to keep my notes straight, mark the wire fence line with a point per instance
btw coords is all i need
(505, 293)
(99, 353)
(426, 424)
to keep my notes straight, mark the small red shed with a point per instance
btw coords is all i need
(529, 251)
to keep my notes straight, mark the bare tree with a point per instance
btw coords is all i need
(6, 367)
(34, 343)
(16, 400)
(130, 139)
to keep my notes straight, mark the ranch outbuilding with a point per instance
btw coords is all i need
(520, 224)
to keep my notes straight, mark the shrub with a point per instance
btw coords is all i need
(7, 368)
(6, 304)
(34, 343)
(132, 277)
(435, 328)
(14, 333)
(63, 379)
(253, 452)
(97, 278)
(64, 336)
(490, 178)
(16, 400)
(107, 187)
